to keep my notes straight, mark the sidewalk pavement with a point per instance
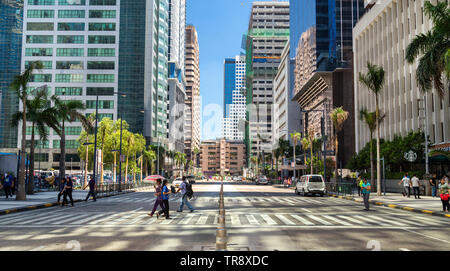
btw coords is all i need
(426, 204)
(46, 199)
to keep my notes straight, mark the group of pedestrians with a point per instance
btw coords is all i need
(162, 193)
(408, 183)
(65, 190)
(8, 182)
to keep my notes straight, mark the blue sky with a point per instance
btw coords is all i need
(220, 25)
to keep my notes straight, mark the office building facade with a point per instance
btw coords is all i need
(381, 38)
(192, 109)
(224, 157)
(268, 33)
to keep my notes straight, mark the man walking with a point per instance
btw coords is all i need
(416, 185)
(92, 186)
(7, 185)
(366, 187)
(406, 185)
(434, 184)
(359, 183)
(186, 192)
(165, 192)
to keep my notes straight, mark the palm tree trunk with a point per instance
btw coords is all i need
(114, 168)
(378, 150)
(371, 158)
(311, 148)
(87, 161)
(62, 159)
(30, 174)
(126, 169)
(336, 142)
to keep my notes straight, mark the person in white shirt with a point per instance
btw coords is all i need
(406, 185)
(416, 185)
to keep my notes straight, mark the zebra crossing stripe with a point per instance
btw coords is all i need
(351, 219)
(92, 217)
(235, 220)
(202, 220)
(411, 221)
(151, 221)
(168, 221)
(216, 219)
(337, 220)
(374, 221)
(105, 219)
(252, 220)
(73, 217)
(21, 216)
(268, 220)
(313, 217)
(138, 219)
(40, 217)
(186, 219)
(303, 220)
(429, 221)
(390, 220)
(46, 221)
(285, 220)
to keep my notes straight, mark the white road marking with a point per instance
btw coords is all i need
(303, 220)
(168, 221)
(202, 220)
(252, 220)
(106, 218)
(93, 217)
(38, 248)
(186, 219)
(352, 219)
(389, 220)
(268, 220)
(313, 217)
(306, 210)
(431, 237)
(374, 221)
(43, 216)
(337, 220)
(235, 220)
(72, 217)
(285, 220)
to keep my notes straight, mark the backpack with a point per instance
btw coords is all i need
(189, 191)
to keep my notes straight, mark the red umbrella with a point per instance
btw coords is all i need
(153, 178)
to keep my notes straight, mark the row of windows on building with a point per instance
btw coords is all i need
(76, 65)
(49, 13)
(94, 52)
(48, 39)
(71, 26)
(71, 2)
(73, 78)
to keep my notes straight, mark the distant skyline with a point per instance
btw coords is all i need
(220, 26)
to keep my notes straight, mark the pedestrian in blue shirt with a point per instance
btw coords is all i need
(159, 201)
(91, 185)
(165, 192)
(366, 187)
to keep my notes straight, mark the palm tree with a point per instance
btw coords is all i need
(305, 145)
(68, 111)
(149, 156)
(338, 117)
(90, 130)
(196, 152)
(432, 46)
(19, 85)
(40, 114)
(374, 81)
(296, 136)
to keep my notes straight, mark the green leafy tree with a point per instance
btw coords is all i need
(19, 85)
(433, 48)
(374, 80)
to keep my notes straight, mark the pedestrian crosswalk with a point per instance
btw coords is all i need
(139, 217)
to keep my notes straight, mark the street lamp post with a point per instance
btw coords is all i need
(120, 147)
(95, 141)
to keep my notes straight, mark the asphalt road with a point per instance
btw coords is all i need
(257, 218)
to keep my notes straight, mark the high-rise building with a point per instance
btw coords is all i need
(11, 17)
(192, 113)
(234, 99)
(321, 36)
(267, 35)
(143, 71)
(78, 44)
(222, 157)
(381, 38)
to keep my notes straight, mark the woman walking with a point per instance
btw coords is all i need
(61, 189)
(444, 192)
(159, 200)
(68, 191)
(165, 198)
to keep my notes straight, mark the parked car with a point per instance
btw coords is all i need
(262, 180)
(310, 184)
(177, 182)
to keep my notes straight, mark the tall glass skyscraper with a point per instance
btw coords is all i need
(11, 16)
(229, 84)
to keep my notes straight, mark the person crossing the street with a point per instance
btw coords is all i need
(8, 182)
(406, 185)
(359, 183)
(444, 193)
(92, 186)
(366, 187)
(416, 186)
(68, 192)
(61, 189)
(186, 193)
(159, 200)
(165, 192)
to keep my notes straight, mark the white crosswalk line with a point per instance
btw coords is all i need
(303, 220)
(313, 217)
(252, 220)
(72, 217)
(315, 201)
(92, 217)
(186, 219)
(406, 220)
(268, 220)
(168, 221)
(108, 217)
(235, 220)
(40, 217)
(47, 220)
(283, 201)
(285, 220)
(352, 219)
(216, 219)
(138, 219)
(337, 220)
(306, 210)
(373, 221)
(429, 221)
(389, 220)
(269, 200)
(22, 217)
(202, 220)
(151, 221)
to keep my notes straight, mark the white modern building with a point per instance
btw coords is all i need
(286, 113)
(234, 123)
(78, 43)
(381, 37)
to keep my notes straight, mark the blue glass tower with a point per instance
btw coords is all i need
(229, 84)
(11, 16)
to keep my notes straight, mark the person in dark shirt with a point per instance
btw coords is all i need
(61, 189)
(434, 182)
(68, 191)
(91, 185)
(8, 182)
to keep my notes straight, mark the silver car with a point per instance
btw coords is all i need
(262, 180)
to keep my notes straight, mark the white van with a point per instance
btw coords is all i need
(310, 184)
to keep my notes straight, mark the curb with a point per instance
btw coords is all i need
(46, 205)
(395, 206)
